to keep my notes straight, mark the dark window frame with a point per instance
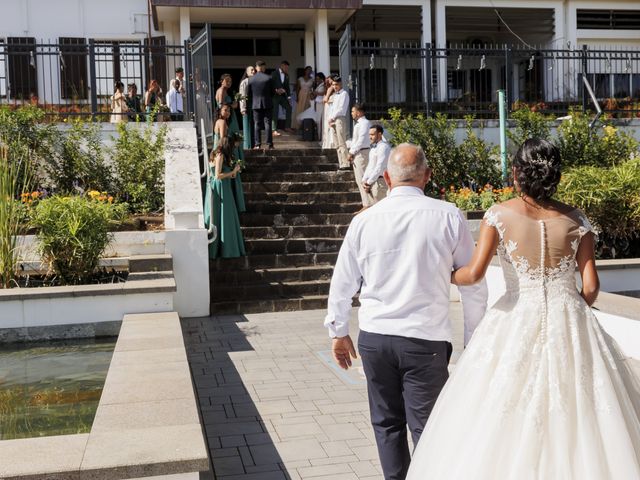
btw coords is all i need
(74, 75)
(22, 68)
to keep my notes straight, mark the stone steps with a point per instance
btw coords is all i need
(299, 207)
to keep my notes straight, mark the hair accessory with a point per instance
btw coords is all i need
(539, 160)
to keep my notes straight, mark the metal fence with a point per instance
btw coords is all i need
(464, 80)
(75, 77)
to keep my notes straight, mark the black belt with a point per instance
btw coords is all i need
(363, 149)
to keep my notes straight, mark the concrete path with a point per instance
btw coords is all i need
(273, 403)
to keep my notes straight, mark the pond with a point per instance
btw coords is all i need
(51, 388)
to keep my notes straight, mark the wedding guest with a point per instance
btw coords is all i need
(328, 139)
(119, 107)
(223, 97)
(180, 78)
(152, 98)
(373, 180)
(245, 109)
(359, 150)
(223, 129)
(229, 242)
(304, 88)
(261, 92)
(175, 101)
(281, 97)
(338, 122)
(318, 102)
(133, 103)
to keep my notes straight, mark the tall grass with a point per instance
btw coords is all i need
(15, 173)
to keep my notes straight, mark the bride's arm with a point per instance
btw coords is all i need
(587, 265)
(482, 255)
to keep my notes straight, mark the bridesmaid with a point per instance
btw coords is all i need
(245, 108)
(227, 126)
(327, 137)
(229, 242)
(318, 101)
(304, 87)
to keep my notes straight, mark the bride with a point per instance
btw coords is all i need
(541, 392)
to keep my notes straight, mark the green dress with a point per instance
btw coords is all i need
(229, 243)
(238, 153)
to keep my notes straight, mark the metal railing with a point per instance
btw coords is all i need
(463, 80)
(74, 77)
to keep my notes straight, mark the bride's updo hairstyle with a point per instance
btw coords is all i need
(537, 168)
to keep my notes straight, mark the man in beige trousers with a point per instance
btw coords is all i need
(359, 151)
(338, 121)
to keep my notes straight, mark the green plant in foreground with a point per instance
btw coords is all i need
(14, 181)
(72, 234)
(139, 163)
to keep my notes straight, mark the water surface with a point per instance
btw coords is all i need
(51, 388)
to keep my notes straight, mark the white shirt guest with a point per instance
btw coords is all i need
(174, 101)
(340, 105)
(378, 157)
(360, 135)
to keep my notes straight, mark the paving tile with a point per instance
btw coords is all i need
(324, 470)
(287, 451)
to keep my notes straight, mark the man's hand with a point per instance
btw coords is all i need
(343, 350)
(366, 187)
(350, 157)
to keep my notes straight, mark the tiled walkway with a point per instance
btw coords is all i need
(273, 403)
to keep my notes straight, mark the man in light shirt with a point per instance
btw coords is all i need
(372, 180)
(175, 101)
(400, 253)
(359, 150)
(338, 121)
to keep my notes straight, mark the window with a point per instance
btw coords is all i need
(73, 68)
(480, 86)
(413, 85)
(121, 61)
(608, 19)
(373, 86)
(156, 68)
(457, 81)
(334, 48)
(268, 47)
(23, 67)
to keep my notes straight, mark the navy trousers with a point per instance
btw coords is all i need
(404, 378)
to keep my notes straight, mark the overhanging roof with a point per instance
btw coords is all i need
(328, 4)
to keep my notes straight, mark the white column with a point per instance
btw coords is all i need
(309, 55)
(441, 42)
(185, 24)
(323, 63)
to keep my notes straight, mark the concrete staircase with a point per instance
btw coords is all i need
(298, 210)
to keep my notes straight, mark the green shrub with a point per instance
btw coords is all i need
(469, 200)
(72, 234)
(610, 197)
(529, 124)
(472, 163)
(139, 167)
(14, 181)
(603, 147)
(77, 161)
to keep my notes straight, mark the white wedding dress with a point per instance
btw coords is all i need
(541, 392)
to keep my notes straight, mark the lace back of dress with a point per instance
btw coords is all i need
(537, 251)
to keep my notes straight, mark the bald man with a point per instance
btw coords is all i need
(400, 254)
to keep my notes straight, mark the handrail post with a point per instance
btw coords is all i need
(503, 135)
(428, 90)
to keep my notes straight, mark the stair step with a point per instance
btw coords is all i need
(257, 291)
(305, 197)
(290, 152)
(306, 302)
(298, 231)
(262, 275)
(266, 207)
(283, 167)
(150, 263)
(285, 220)
(252, 262)
(298, 187)
(292, 245)
(292, 160)
(265, 175)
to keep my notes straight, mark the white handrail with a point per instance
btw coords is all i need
(204, 150)
(212, 231)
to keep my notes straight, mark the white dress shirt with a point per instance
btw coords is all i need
(174, 101)
(360, 135)
(402, 250)
(378, 157)
(339, 105)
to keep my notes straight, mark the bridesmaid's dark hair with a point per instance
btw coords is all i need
(223, 77)
(537, 168)
(219, 114)
(225, 148)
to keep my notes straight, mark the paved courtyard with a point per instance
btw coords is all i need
(273, 403)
